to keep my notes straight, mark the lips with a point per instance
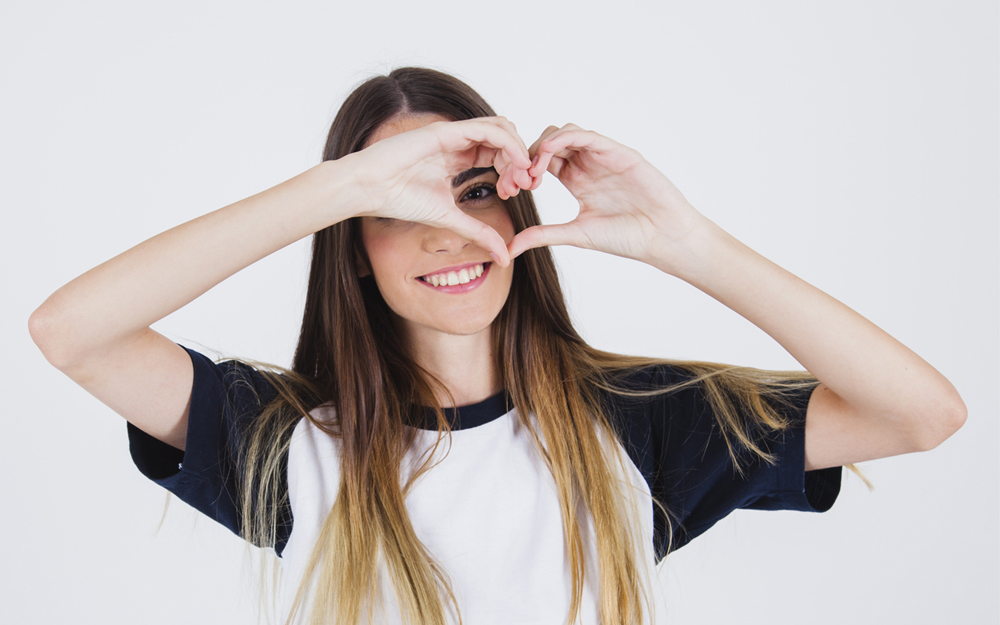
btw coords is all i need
(457, 279)
(459, 274)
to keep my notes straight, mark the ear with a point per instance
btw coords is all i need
(361, 263)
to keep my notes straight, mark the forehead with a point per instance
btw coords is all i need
(404, 123)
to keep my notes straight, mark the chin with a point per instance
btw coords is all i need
(466, 327)
(461, 315)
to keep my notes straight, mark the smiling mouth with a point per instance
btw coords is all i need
(465, 275)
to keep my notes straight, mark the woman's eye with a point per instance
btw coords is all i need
(479, 193)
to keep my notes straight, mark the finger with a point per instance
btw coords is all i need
(569, 138)
(533, 150)
(535, 181)
(542, 236)
(544, 156)
(575, 138)
(511, 179)
(537, 169)
(522, 179)
(509, 126)
(505, 186)
(479, 233)
(547, 163)
(457, 136)
(554, 166)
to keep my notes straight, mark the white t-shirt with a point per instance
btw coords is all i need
(489, 511)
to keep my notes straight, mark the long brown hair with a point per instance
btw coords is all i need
(351, 356)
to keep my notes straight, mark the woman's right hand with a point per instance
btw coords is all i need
(408, 176)
(96, 329)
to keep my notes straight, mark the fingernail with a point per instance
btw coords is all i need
(495, 258)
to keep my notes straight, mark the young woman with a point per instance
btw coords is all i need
(566, 473)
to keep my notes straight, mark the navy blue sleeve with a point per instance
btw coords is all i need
(225, 399)
(676, 443)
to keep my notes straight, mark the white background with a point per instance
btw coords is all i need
(855, 143)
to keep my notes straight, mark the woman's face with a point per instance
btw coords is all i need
(408, 258)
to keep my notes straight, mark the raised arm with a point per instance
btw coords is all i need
(96, 328)
(876, 398)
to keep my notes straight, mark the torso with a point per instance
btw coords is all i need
(488, 511)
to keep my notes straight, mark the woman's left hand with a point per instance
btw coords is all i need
(877, 398)
(627, 207)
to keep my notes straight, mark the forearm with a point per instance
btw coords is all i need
(877, 398)
(122, 297)
(877, 376)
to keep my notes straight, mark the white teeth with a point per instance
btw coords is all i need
(452, 278)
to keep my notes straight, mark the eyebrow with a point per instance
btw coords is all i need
(469, 174)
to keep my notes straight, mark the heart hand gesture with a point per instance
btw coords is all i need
(627, 207)
(407, 176)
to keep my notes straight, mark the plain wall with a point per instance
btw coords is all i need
(854, 143)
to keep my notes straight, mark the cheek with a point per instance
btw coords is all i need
(385, 269)
(376, 252)
(381, 248)
(502, 223)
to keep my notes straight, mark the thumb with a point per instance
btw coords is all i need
(542, 236)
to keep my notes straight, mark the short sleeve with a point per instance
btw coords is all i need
(225, 399)
(676, 443)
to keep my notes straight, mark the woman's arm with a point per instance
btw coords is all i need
(876, 398)
(96, 328)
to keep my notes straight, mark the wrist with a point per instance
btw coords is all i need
(340, 190)
(687, 252)
(716, 262)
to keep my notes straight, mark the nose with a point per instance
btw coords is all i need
(442, 241)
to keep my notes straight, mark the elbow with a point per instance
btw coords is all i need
(948, 415)
(45, 330)
(954, 417)
(40, 329)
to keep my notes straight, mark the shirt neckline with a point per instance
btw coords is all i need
(473, 415)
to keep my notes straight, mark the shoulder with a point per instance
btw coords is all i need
(644, 396)
(651, 408)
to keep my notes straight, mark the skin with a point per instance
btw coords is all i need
(448, 333)
(96, 328)
(876, 398)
